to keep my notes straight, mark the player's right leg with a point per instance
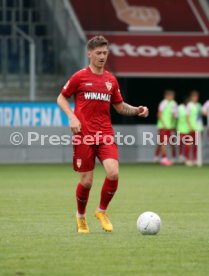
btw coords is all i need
(82, 196)
(83, 162)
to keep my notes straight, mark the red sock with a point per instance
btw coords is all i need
(157, 151)
(194, 146)
(181, 147)
(82, 195)
(187, 152)
(164, 155)
(173, 152)
(108, 190)
(181, 152)
(194, 152)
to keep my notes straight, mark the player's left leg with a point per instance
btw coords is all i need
(108, 155)
(108, 190)
(110, 184)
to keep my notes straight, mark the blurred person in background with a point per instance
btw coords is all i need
(205, 112)
(183, 129)
(194, 120)
(174, 132)
(166, 124)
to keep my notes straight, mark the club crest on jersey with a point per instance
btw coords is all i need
(108, 85)
(78, 162)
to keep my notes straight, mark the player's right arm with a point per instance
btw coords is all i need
(68, 90)
(75, 124)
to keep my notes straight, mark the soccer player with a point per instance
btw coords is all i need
(205, 110)
(165, 124)
(94, 90)
(194, 120)
(183, 130)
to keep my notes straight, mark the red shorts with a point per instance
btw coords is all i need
(165, 135)
(84, 156)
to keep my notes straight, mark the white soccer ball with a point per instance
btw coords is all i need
(148, 223)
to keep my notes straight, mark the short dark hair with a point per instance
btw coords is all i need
(169, 92)
(194, 92)
(97, 41)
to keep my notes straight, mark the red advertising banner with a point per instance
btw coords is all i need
(150, 37)
(149, 55)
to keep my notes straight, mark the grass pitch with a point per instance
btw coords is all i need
(37, 223)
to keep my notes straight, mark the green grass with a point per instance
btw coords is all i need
(37, 224)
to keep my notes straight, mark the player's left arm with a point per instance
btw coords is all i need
(126, 109)
(129, 110)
